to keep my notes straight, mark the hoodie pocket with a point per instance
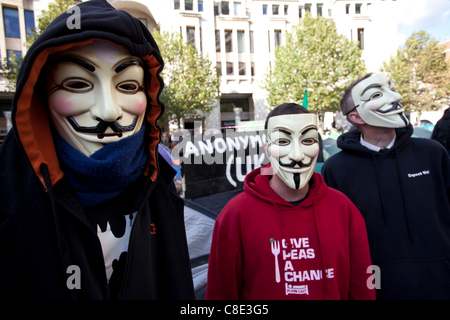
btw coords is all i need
(414, 279)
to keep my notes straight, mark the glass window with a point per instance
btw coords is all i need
(361, 38)
(308, 7)
(11, 21)
(228, 41)
(299, 11)
(228, 105)
(252, 69)
(242, 68)
(225, 7)
(319, 9)
(230, 69)
(216, 9)
(29, 22)
(358, 8)
(252, 46)
(176, 4)
(143, 20)
(219, 68)
(190, 34)
(189, 5)
(347, 8)
(264, 9)
(217, 40)
(237, 8)
(17, 53)
(369, 7)
(277, 37)
(286, 9)
(275, 9)
(241, 41)
(200, 5)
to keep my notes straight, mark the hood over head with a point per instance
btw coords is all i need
(98, 21)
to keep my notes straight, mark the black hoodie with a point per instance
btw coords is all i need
(44, 231)
(441, 132)
(403, 195)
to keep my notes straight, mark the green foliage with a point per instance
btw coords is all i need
(54, 10)
(10, 70)
(314, 51)
(191, 84)
(420, 73)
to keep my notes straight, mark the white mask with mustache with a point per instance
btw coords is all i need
(378, 104)
(292, 146)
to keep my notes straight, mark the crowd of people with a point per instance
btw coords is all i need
(90, 211)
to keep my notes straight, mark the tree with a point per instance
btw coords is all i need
(11, 66)
(191, 84)
(316, 53)
(420, 73)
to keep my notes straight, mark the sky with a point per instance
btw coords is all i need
(433, 16)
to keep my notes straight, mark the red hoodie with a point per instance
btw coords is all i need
(266, 248)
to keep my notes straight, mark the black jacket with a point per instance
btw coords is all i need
(43, 227)
(403, 195)
(441, 132)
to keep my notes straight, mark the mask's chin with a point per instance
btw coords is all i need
(295, 180)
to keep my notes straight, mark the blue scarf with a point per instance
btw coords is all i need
(107, 172)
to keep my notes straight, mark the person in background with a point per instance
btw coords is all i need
(441, 132)
(401, 185)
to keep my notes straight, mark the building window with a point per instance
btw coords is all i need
(275, 9)
(225, 7)
(190, 34)
(319, 9)
(230, 69)
(329, 13)
(299, 11)
(228, 41)
(242, 68)
(176, 4)
(216, 9)
(11, 21)
(252, 46)
(308, 7)
(200, 5)
(189, 5)
(217, 40)
(219, 68)
(237, 8)
(286, 9)
(241, 41)
(264, 9)
(17, 53)
(277, 37)
(358, 8)
(252, 69)
(361, 38)
(369, 7)
(347, 8)
(29, 22)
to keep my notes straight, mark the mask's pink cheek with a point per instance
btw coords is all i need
(134, 104)
(274, 152)
(373, 105)
(62, 105)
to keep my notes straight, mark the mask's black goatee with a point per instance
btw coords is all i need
(297, 180)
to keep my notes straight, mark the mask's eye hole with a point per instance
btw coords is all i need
(77, 85)
(376, 96)
(309, 142)
(129, 87)
(282, 142)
